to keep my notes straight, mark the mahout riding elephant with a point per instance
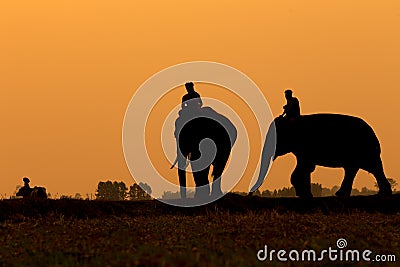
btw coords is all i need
(204, 138)
(329, 140)
(36, 192)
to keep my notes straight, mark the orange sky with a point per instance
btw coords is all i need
(68, 70)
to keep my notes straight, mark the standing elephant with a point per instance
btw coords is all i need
(36, 192)
(205, 138)
(33, 193)
(329, 140)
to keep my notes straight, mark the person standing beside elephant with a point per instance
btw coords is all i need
(292, 107)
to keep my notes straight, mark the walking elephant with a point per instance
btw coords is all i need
(205, 138)
(329, 140)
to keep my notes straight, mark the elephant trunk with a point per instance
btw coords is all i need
(268, 155)
(265, 163)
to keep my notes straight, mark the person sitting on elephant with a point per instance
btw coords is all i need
(28, 192)
(26, 189)
(292, 107)
(191, 94)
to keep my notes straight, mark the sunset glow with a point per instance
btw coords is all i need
(69, 69)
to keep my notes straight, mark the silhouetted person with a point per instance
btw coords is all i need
(26, 190)
(191, 94)
(26, 181)
(191, 107)
(292, 107)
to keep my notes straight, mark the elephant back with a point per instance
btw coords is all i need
(318, 133)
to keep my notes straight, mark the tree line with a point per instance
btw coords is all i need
(318, 191)
(116, 191)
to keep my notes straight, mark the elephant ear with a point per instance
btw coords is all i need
(267, 157)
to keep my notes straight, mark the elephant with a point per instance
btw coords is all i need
(36, 192)
(205, 138)
(329, 140)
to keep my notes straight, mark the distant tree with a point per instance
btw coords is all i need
(111, 191)
(366, 191)
(257, 193)
(392, 183)
(146, 188)
(235, 192)
(316, 189)
(284, 192)
(266, 193)
(78, 196)
(326, 192)
(334, 189)
(139, 191)
(170, 195)
(14, 194)
(292, 192)
(355, 192)
(177, 195)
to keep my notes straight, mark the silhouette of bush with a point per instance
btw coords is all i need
(392, 182)
(177, 195)
(316, 189)
(141, 191)
(111, 191)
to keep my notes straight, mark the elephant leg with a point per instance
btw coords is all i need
(219, 166)
(301, 178)
(182, 182)
(202, 184)
(216, 187)
(383, 184)
(182, 173)
(347, 183)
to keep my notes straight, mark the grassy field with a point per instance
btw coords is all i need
(229, 232)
